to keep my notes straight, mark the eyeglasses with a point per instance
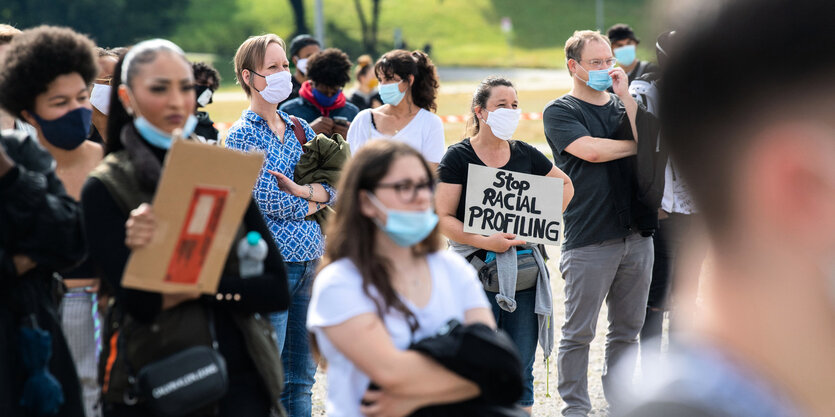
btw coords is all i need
(103, 80)
(407, 191)
(597, 63)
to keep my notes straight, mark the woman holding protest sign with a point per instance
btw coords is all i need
(495, 115)
(150, 333)
(262, 70)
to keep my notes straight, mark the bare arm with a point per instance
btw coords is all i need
(567, 188)
(598, 150)
(446, 203)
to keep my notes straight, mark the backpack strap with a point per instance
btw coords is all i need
(298, 130)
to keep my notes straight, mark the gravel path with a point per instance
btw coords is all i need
(545, 405)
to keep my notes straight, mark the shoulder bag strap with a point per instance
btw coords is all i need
(298, 130)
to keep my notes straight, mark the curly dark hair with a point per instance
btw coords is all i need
(37, 57)
(403, 64)
(330, 67)
(204, 71)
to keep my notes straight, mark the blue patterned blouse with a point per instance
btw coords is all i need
(298, 239)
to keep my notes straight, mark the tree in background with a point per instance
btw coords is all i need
(298, 17)
(369, 31)
(110, 23)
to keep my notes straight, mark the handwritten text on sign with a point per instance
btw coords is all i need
(501, 201)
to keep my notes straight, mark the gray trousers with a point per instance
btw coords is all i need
(619, 271)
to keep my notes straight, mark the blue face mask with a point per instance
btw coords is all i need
(324, 100)
(68, 131)
(599, 80)
(406, 228)
(157, 137)
(625, 55)
(390, 93)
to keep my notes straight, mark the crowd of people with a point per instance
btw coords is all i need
(364, 266)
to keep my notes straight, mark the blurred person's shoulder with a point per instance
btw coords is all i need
(25, 150)
(703, 381)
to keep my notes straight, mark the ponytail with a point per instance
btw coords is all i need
(425, 87)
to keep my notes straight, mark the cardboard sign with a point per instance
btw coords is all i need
(501, 201)
(199, 205)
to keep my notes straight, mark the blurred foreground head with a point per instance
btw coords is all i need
(749, 116)
(748, 106)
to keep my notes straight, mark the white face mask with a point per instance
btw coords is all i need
(503, 122)
(100, 98)
(278, 87)
(301, 64)
(205, 97)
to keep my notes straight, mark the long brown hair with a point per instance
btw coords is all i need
(352, 235)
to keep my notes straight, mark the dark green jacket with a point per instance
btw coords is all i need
(322, 161)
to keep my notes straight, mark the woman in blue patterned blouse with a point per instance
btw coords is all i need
(262, 70)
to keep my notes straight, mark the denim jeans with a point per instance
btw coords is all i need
(522, 325)
(293, 340)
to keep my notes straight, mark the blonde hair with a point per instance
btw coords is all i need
(250, 55)
(7, 32)
(577, 42)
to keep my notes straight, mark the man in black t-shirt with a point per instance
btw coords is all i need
(592, 133)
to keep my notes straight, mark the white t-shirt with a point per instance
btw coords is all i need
(425, 132)
(338, 296)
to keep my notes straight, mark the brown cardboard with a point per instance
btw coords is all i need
(199, 205)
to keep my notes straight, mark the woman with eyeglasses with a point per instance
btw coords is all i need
(153, 98)
(495, 115)
(262, 70)
(387, 282)
(408, 88)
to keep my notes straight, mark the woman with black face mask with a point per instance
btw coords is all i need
(48, 73)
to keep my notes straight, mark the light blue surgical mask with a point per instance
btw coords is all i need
(599, 80)
(625, 55)
(390, 93)
(157, 137)
(405, 228)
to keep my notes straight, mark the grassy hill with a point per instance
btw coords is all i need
(461, 32)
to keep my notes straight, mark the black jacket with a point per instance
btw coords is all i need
(633, 213)
(37, 219)
(105, 219)
(484, 356)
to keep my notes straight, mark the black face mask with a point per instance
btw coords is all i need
(198, 92)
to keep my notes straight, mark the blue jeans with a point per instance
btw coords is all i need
(522, 326)
(293, 340)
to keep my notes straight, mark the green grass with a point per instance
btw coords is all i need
(461, 32)
(531, 131)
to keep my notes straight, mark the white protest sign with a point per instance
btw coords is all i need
(502, 201)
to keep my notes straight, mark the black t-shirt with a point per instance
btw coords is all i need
(454, 166)
(591, 216)
(364, 102)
